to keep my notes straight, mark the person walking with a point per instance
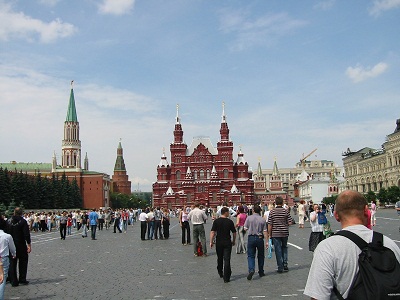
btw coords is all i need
(7, 247)
(84, 218)
(165, 223)
(117, 220)
(222, 228)
(278, 229)
(92, 221)
(302, 213)
(198, 217)
(184, 222)
(18, 228)
(63, 225)
(143, 225)
(150, 224)
(240, 220)
(317, 230)
(373, 212)
(256, 229)
(157, 223)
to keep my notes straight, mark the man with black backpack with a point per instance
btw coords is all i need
(341, 270)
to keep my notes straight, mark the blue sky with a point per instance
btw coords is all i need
(295, 75)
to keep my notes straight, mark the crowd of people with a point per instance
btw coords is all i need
(252, 229)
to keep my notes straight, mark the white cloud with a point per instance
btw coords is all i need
(359, 73)
(380, 6)
(116, 7)
(17, 24)
(259, 31)
(325, 5)
(49, 2)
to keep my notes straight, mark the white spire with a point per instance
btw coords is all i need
(234, 189)
(223, 113)
(178, 121)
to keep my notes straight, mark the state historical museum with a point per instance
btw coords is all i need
(202, 173)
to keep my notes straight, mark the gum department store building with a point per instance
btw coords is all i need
(202, 173)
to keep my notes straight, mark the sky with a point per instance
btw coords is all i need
(294, 76)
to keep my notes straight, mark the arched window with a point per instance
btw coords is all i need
(201, 174)
(178, 175)
(208, 174)
(226, 173)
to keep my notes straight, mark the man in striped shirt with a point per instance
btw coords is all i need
(278, 230)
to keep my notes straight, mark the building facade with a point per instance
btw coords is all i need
(120, 179)
(266, 191)
(264, 178)
(202, 173)
(371, 169)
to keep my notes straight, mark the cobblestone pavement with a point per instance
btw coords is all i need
(121, 266)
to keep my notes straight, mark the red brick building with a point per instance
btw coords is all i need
(94, 186)
(202, 173)
(120, 180)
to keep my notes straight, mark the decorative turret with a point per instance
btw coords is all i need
(178, 132)
(189, 175)
(224, 131)
(259, 170)
(86, 163)
(71, 145)
(275, 172)
(119, 162)
(240, 160)
(163, 161)
(54, 163)
(276, 183)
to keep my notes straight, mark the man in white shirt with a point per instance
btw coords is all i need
(143, 224)
(335, 261)
(7, 247)
(198, 217)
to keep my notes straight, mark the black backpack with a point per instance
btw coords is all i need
(379, 271)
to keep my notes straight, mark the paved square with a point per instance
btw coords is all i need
(121, 266)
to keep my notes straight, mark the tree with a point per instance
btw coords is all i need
(11, 208)
(329, 200)
(393, 194)
(76, 195)
(370, 196)
(382, 195)
(5, 194)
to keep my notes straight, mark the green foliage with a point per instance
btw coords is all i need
(393, 194)
(382, 195)
(329, 200)
(19, 189)
(135, 200)
(370, 196)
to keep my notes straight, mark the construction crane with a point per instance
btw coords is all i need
(303, 160)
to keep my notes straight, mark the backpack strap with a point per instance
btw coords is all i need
(354, 238)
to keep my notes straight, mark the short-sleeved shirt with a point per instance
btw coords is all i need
(93, 218)
(255, 225)
(223, 227)
(335, 262)
(279, 218)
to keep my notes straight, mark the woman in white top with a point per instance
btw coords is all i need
(317, 230)
(302, 213)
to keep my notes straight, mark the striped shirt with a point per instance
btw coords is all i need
(279, 219)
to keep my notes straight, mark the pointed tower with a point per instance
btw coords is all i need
(178, 151)
(86, 163)
(121, 184)
(71, 145)
(54, 163)
(224, 162)
(260, 186)
(275, 181)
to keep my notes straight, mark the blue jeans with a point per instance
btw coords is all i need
(255, 243)
(281, 251)
(150, 230)
(6, 264)
(93, 231)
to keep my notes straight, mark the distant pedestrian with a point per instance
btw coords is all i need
(257, 234)
(63, 225)
(240, 220)
(198, 217)
(302, 213)
(150, 224)
(278, 229)
(19, 230)
(143, 225)
(222, 228)
(165, 223)
(317, 230)
(157, 223)
(117, 220)
(93, 220)
(373, 212)
(184, 222)
(84, 224)
(69, 224)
